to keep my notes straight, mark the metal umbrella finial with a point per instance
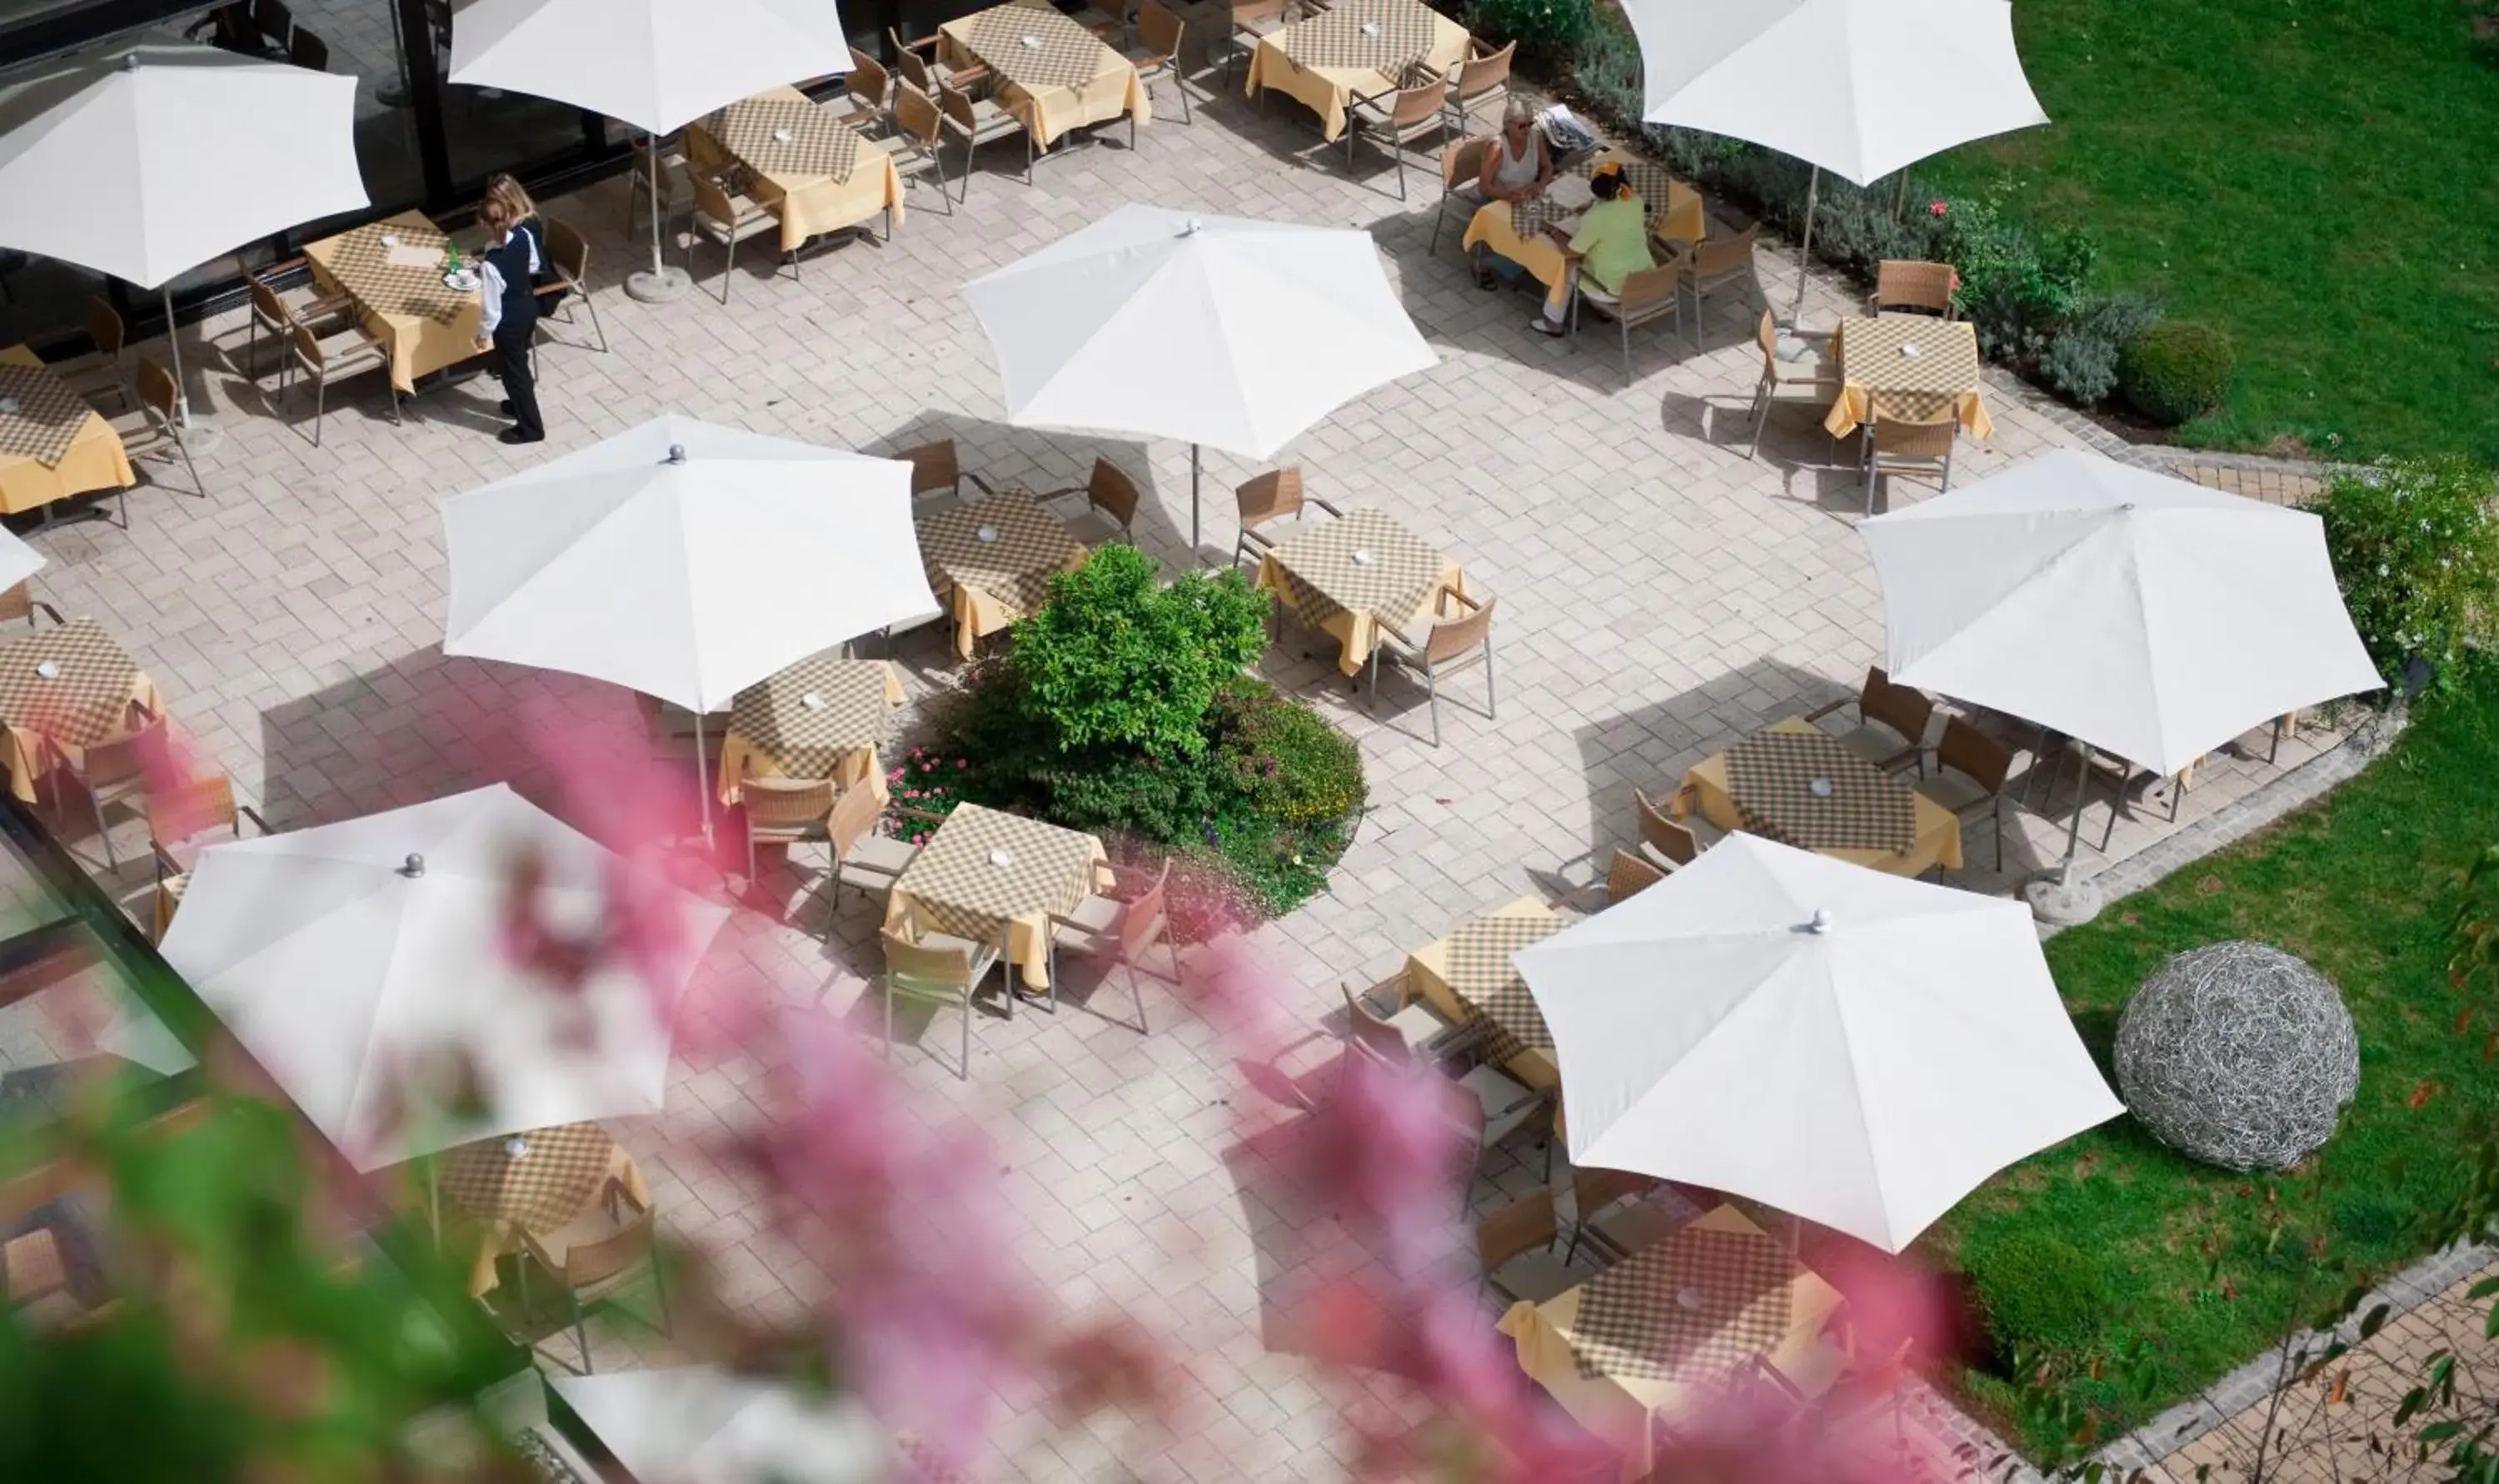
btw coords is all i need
(414, 866)
(130, 61)
(676, 453)
(1821, 923)
(1193, 227)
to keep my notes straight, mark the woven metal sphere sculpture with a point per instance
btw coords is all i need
(2238, 1054)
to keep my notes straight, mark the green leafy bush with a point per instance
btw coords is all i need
(2177, 371)
(2415, 551)
(1116, 658)
(1546, 30)
(2082, 358)
(2041, 1294)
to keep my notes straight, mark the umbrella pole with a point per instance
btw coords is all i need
(174, 343)
(1192, 505)
(659, 283)
(703, 782)
(2074, 827)
(1804, 253)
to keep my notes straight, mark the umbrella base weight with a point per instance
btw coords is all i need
(2063, 903)
(658, 286)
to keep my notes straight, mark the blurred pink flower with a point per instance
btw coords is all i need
(1938, 208)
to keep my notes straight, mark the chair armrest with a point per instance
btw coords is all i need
(909, 813)
(43, 607)
(980, 484)
(927, 44)
(1324, 505)
(1895, 759)
(166, 865)
(249, 813)
(1058, 494)
(1440, 600)
(1842, 704)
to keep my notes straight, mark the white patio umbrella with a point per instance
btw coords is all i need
(2152, 618)
(1857, 1048)
(657, 65)
(149, 161)
(683, 560)
(702, 1425)
(345, 956)
(1858, 87)
(1210, 330)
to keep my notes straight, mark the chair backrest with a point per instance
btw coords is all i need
(1271, 496)
(1251, 11)
(569, 250)
(1910, 284)
(925, 968)
(711, 200)
(271, 309)
(32, 1263)
(1452, 638)
(1904, 709)
(1159, 30)
(138, 751)
(868, 80)
(104, 327)
(1593, 1190)
(1671, 838)
(1648, 290)
(1370, 1035)
(586, 1263)
(933, 466)
(1522, 1226)
(17, 602)
(1483, 74)
(1462, 162)
(308, 348)
(787, 803)
(1769, 336)
(1112, 491)
(274, 20)
(958, 105)
(1901, 437)
(1419, 104)
(855, 815)
(1143, 920)
(915, 114)
(656, 182)
(1629, 876)
(308, 52)
(200, 804)
(161, 393)
(1974, 754)
(1713, 256)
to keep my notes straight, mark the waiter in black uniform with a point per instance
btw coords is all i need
(509, 318)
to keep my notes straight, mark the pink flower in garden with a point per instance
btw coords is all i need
(1937, 206)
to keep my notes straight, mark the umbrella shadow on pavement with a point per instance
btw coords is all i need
(1039, 459)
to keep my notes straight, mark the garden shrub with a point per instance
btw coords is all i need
(2177, 371)
(1116, 658)
(2082, 359)
(1548, 31)
(2041, 1294)
(2415, 551)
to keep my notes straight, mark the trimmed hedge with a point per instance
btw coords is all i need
(2040, 1293)
(2177, 371)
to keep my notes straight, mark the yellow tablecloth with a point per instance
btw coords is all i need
(1427, 975)
(742, 758)
(1356, 628)
(96, 670)
(984, 868)
(419, 343)
(498, 1235)
(1329, 91)
(1948, 360)
(1620, 1409)
(1680, 220)
(1048, 113)
(809, 206)
(1938, 842)
(95, 460)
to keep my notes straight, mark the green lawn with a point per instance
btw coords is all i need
(2359, 887)
(2314, 175)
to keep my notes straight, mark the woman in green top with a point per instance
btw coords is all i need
(1610, 245)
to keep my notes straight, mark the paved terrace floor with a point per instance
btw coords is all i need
(1661, 596)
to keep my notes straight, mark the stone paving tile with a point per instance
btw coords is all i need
(1661, 594)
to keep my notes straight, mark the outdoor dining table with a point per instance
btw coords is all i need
(1794, 783)
(1473, 972)
(539, 1181)
(63, 690)
(821, 718)
(1649, 1341)
(1911, 367)
(1515, 228)
(804, 166)
(53, 444)
(399, 293)
(987, 876)
(1349, 576)
(1355, 49)
(991, 562)
(1051, 74)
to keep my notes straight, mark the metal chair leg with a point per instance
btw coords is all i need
(581, 1336)
(596, 328)
(727, 268)
(102, 834)
(963, 1058)
(1492, 701)
(1432, 697)
(320, 402)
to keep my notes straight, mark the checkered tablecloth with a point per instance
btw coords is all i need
(1321, 576)
(817, 144)
(1386, 36)
(86, 702)
(1916, 388)
(1690, 1308)
(361, 261)
(1770, 777)
(808, 741)
(959, 884)
(1483, 970)
(541, 1188)
(1062, 54)
(1569, 195)
(1028, 545)
(43, 414)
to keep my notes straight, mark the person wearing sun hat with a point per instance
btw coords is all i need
(1610, 245)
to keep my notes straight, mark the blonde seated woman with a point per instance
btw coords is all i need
(1610, 245)
(1518, 167)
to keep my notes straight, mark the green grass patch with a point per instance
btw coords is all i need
(2204, 1263)
(2312, 176)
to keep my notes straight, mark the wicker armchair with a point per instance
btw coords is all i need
(1270, 497)
(1908, 283)
(1895, 445)
(1811, 380)
(1111, 503)
(1649, 295)
(977, 121)
(1714, 263)
(728, 217)
(1461, 165)
(1156, 54)
(1890, 722)
(1479, 84)
(1398, 119)
(1452, 638)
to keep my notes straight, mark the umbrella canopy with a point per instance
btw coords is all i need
(18, 560)
(656, 64)
(701, 1425)
(1858, 87)
(1858, 1048)
(345, 956)
(688, 580)
(147, 163)
(2153, 618)
(1209, 330)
